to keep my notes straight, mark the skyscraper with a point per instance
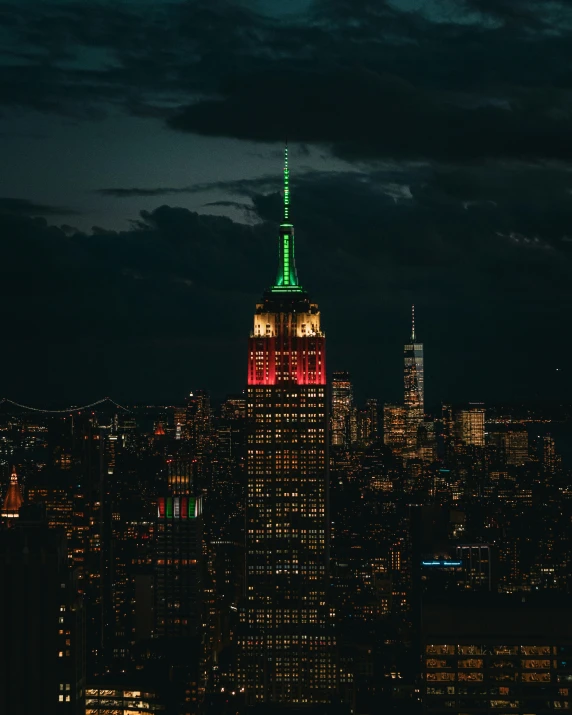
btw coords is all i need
(342, 404)
(42, 649)
(394, 427)
(413, 383)
(285, 640)
(470, 426)
(178, 550)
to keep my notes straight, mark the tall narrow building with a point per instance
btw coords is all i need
(286, 646)
(414, 393)
(42, 649)
(342, 406)
(177, 565)
(470, 425)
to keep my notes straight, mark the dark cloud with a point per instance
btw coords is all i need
(521, 13)
(158, 191)
(229, 204)
(362, 77)
(364, 114)
(169, 302)
(24, 207)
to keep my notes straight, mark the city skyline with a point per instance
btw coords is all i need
(342, 487)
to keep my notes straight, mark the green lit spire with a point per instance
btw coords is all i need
(286, 185)
(287, 279)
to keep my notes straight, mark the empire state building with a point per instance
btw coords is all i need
(286, 644)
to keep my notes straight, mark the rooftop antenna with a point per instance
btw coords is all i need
(286, 185)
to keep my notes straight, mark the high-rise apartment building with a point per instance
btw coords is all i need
(414, 390)
(448, 426)
(549, 458)
(199, 420)
(372, 409)
(286, 646)
(470, 426)
(42, 649)
(516, 441)
(476, 566)
(394, 427)
(342, 407)
(509, 445)
(178, 552)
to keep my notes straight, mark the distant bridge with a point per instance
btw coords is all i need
(67, 410)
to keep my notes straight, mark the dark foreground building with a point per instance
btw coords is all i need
(42, 652)
(491, 653)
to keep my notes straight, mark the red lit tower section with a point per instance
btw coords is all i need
(287, 346)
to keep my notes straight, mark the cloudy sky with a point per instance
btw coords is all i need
(431, 155)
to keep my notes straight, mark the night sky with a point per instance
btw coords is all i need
(431, 157)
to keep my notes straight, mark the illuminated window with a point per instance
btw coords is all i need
(471, 663)
(471, 676)
(506, 650)
(440, 649)
(534, 664)
(536, 677)
(440, 676)
(436, 663)
(535, 650)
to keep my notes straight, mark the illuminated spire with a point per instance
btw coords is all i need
(287, 278)
(412, 323)
(286, 185)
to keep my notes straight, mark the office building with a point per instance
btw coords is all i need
(342, 409)
(486, 653)
(394, 427)
(470, 426)
(199, 420)
(285, 642)
(114, 696)
(42, 649)
(414, 388)
(177, 565)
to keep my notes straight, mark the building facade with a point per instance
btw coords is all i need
(414, 388)
(497, 654)
(470, 426)
(394, 427)
(42, 646)
(177, 565)
(342, 406)
(285, 640)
